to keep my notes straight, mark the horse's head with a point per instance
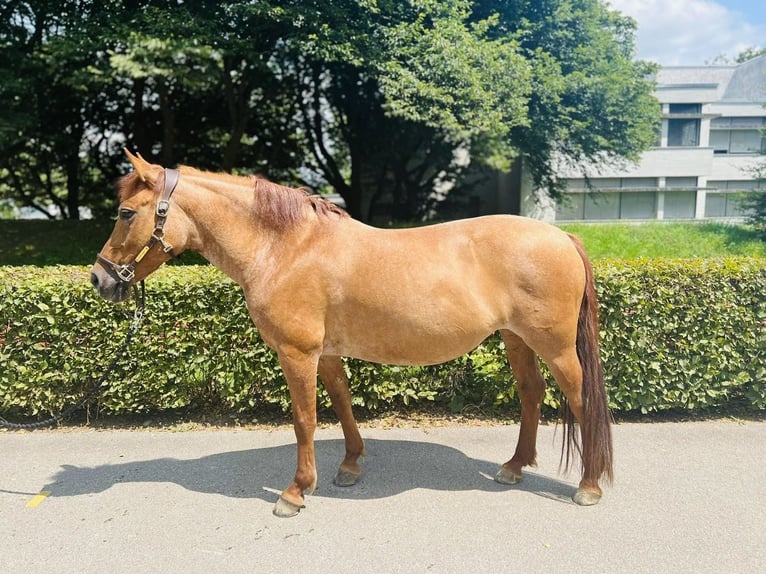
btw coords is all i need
(143, 236)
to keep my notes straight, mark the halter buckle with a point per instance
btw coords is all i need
(163, 206)
(125, 272)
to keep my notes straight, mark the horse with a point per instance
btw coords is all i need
(320, 286)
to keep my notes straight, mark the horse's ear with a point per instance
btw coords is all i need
(146, 171)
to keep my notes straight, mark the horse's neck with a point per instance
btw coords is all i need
(224, 230)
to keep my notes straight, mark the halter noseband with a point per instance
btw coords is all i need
(126, 273)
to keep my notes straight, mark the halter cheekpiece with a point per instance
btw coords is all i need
(127, 272)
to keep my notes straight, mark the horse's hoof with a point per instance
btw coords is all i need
(285, 509)
(346, 478)
(505, 476)
(586, 497)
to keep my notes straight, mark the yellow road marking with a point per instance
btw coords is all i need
(37, 500)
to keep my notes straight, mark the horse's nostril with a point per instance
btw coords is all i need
(94, 280)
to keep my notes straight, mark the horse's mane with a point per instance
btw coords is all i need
(281, 206)
(274, 205)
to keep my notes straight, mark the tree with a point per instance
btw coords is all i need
(84, 79)
(539, 82)
(754, 202)
(48, 100)
(388, 90)
(374, 98)
(591, 102)
(745, 55)
(205, 93)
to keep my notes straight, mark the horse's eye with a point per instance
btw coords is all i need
(127, 214)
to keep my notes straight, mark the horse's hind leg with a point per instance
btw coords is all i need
(531, 387)
(335, 381)
(567, 371)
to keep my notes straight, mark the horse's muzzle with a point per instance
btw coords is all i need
(109, 287)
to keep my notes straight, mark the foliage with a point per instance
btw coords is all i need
(452, 76)
(754, 202)
(749, 53)
(388, 91)
(674, 333)
(374, 98)
(685, 334)
(52, 105)
(591, 101)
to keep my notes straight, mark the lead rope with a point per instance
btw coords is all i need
(139, 294)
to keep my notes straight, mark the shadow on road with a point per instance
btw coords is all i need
(390, 468)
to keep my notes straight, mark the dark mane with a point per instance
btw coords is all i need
(280, 206)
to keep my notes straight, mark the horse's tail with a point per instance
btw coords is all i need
(596, 451)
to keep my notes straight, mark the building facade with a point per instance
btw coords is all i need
(712, 139)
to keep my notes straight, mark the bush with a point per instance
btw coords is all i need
(683, 334)
(674, 334)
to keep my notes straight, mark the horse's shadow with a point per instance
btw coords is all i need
(391, 467)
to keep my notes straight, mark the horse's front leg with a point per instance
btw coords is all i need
(300, 370)
(335, 381)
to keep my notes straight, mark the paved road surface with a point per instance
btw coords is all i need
(689, 497)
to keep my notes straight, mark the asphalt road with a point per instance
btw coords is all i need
(688, 497)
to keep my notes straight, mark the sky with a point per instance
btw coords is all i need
(695, 32)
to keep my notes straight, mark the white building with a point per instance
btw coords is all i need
(713, 122)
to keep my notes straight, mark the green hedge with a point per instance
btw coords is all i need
(675, 334)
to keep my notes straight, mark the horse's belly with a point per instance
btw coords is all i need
(406, 341)
(420, 353)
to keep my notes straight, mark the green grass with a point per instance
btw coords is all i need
(669, 240)
(41, 242)
(77, 242)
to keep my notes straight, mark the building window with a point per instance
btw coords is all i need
(725, 198)
(683, 132)
(685, 108)
(720, 141)
(681, 183)
(724, 205)
(600, 206)
(680, 204)
(738, 135)
(638, 205)
(609, 199)
(684, 125)
(680, 198)
(570, 207)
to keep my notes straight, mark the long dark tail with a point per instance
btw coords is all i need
(596, 449)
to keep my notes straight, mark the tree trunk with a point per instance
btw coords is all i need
(168, 124)
(72, 187)
(237, 97)
(141, 141)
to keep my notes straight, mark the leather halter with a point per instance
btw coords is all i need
(127, 272)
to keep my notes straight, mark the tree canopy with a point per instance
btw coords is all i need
(376, 99)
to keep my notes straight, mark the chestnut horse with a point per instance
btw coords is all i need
(320, 285)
